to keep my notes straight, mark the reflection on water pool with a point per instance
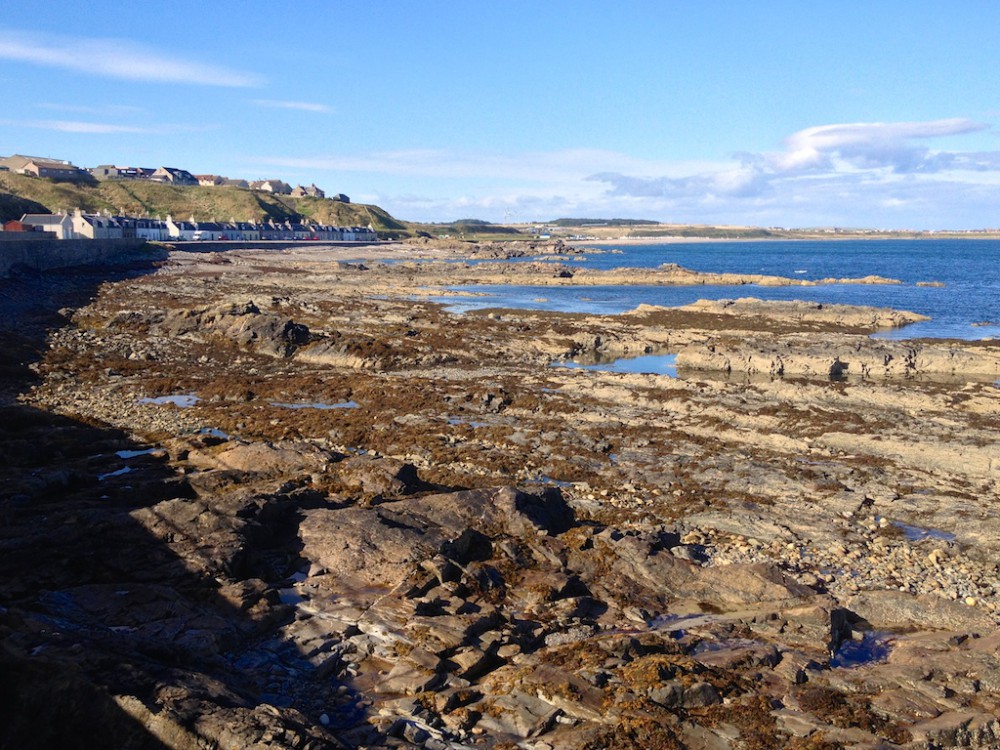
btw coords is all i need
(650, 364)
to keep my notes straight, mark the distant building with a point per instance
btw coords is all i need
(243, 230)
(237, 183)
(37, 166)
(61, 225)
(210, 180)
(211, 230)
(341, 198)
(154, 230)
(312, 192)
(181, 230)
(18, 230)
(19, 227)
(95, 226)
(277, 187)
(112, 172)
(173, 176)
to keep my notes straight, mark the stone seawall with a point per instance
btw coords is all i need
(43, 255)
(215, 246)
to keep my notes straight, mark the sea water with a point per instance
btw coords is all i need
(967, 306)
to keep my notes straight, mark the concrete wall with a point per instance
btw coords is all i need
(50, 254)
(9, 236)
(221, 246)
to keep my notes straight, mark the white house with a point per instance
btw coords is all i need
(59, 224)
(181, 230)
(243, 230)
(95, 227)
(154, 230)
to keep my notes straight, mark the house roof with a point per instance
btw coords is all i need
(183, 173)
(43, 219)
(19, 161)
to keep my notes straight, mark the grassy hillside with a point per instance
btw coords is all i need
(600, 222)
(20, 194)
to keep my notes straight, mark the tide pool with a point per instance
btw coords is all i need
(649, 364)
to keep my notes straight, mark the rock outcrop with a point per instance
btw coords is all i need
(839, 357)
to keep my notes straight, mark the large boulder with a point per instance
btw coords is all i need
(380, 545)
(243, 323)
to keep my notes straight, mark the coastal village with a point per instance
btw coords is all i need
(77, 225)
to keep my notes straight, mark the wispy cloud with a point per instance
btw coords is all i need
(101, 128)
(300, 106)
(532, 166)
(895, 145)
(116, 58)
(86, 109)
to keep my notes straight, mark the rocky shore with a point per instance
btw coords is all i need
(279, 500)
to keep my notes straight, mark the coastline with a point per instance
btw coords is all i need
(374, 520)
(672, 240)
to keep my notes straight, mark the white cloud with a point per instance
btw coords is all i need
(895, 145)
(833, 173)
(543, 167)
(104, 109)
(100, 128)
(301, 106)
(116, 58)
(860, 174)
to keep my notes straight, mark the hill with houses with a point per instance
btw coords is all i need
(29, 193)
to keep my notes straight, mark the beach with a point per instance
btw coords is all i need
(290, 498)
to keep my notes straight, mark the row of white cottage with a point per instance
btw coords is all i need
(78, 225)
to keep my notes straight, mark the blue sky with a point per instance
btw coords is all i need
(799, 113)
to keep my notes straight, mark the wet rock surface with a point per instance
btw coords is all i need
(275, 500)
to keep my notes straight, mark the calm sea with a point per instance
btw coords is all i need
(969, 270)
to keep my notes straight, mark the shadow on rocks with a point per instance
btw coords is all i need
(133, 613)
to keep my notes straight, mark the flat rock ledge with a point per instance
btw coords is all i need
(839, 357)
